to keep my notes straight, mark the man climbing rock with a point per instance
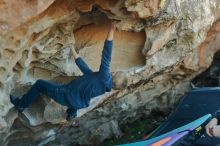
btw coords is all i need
(77, 93)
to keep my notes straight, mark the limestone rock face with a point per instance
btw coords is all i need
(160, 44)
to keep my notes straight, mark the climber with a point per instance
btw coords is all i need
(213, 127)
(77, 93)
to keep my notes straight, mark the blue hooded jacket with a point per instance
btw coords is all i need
(90, 84)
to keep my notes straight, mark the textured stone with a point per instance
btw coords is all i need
(16, 12)
(160, 44)
(143, 8)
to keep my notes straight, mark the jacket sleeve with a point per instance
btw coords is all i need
(104, 68)
(82, 66)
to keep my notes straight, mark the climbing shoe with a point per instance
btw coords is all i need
(15, 101)
(71, 114)
(70, 117)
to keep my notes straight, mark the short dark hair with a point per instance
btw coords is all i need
(123, 76)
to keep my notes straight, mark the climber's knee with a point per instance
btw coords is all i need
(38, 84)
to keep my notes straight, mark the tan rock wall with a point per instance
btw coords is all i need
(161, 45)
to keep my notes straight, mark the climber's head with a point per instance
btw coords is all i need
(120, 80)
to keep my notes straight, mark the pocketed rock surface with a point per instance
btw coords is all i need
(160, 44)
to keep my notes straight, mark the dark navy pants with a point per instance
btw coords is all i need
(51, 90)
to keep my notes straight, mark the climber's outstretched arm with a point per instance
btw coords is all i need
(110, 34)
(106, 53)
(79, 62)
(75, 54)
